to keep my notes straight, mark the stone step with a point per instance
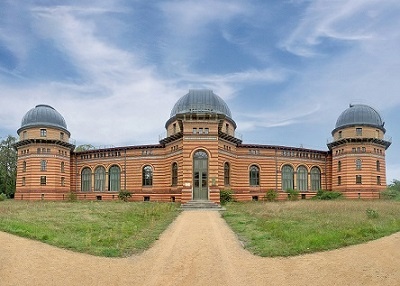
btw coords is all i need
(201, 205)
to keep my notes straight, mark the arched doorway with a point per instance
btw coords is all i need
(200, 175)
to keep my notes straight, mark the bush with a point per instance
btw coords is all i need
(3, 197)
(390, 194)
(124, 195)
(72, 197)
(327, 195)
(271, 195)
(225, 196)
(293, 195)
(371, 213)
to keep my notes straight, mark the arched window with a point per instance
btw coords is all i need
(147, 176)
(227, 179)
(254, 176)
(302, 178)
(358, 164)
(315, 179)
(86, 180)
(114, 179)
(174, 174)
(287, 177)
(378, 165)
(99, 179)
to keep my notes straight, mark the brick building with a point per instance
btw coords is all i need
(199, 156)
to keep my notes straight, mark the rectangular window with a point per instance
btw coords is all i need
(358, 179)
(23, 181)
(61, 135)
(339, 180)
(378, 180)
(194, 130)
(340, 134)
(62, 181)
(359, 131)
(206, 130)
(43, 165)
(358, 164)
(43, 132)
(43, 180)
(200, 130)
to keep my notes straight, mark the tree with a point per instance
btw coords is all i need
(394, 185)
(84, 147)
(8, 166)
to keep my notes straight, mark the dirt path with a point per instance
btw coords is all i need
(198, 249)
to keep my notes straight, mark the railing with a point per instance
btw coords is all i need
(385, 138)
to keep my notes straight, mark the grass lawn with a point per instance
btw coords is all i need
(293, 228)
(113, 229)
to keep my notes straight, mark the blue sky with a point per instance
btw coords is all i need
(287, 69)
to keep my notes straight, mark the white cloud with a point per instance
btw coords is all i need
(357, 20)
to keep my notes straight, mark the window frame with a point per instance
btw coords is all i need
(174, 174)
(43, 132)
(86, 179)
(315, 181)
(99, 179)
(114, 178)
(302, 178)
(147, 176)
(287, 177)
(358, 164)
(227, 175)
(254, 176)
(43, 165)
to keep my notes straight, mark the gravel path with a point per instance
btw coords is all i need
(198, 249)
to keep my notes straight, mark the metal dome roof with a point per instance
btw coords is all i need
(201, 101)
(43, 116)
(360, 114)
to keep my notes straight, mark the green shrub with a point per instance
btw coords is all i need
(3, 197)
(293, 195)
(371, 213)
(390, 194)
(271, 195)
(327, 195)
(124, 195)
(72, 197)
(225, 196)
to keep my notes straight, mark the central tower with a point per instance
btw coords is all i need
(200, 118)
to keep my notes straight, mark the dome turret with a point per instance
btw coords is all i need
(359, 115)
(43, 116)
(201, 101)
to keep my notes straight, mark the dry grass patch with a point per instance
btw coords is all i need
(293, 228)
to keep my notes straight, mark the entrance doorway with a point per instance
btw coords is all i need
(200, 175)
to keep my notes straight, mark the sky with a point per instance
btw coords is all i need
(287, 69)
